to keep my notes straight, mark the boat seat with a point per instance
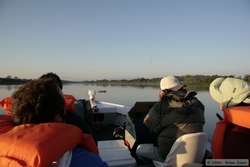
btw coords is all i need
(115, 153)
(188, 150)
(140, 109)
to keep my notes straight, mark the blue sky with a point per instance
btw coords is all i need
(115, 39)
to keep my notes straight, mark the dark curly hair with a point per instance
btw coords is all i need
(38, 101)
(54, 77)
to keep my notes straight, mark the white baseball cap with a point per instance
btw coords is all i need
(170, 82)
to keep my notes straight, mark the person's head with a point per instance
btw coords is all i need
(38, 101)
(230, 91)
(54, 77)
(170, 84)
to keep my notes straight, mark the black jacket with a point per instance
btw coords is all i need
(177, 115)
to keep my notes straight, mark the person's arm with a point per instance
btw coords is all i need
(153, 118)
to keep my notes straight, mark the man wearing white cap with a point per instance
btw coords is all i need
(177, 113)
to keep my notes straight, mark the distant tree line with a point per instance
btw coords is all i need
(247, 78)
(194, 82)
(9, 80)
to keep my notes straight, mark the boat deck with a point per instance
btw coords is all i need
(104, 133)
(114, 151)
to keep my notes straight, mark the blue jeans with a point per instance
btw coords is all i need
(81, 157)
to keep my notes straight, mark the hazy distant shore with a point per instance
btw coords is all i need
(194, 82)
(12, 81)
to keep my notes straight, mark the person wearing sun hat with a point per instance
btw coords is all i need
(233, 97)
(177, 113)
(230, 91)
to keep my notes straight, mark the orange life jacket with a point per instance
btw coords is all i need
(69, 104)
(6, 104)
(233, 130)
(39, 145)
(6, 123)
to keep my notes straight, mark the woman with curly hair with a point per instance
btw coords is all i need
(38, 114)
(38, 101)
(53, 76)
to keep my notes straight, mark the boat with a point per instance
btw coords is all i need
(234, 122)
(102, 91)
(113, 149)
(116, 149)
(115, 135)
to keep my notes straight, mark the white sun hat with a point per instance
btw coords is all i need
(230, 91)
(170, 82)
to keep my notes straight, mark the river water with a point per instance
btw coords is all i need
(128, 95)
